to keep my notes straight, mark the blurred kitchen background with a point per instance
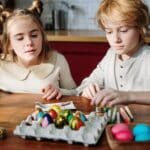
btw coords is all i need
(65, 14)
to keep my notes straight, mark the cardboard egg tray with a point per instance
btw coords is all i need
(89, 134)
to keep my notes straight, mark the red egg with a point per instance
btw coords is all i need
(119, 127)
(124, 136)
(52, 113)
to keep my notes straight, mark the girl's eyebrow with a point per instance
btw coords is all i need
(34, 30)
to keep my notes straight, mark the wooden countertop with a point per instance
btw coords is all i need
(79, 36)
(14, 108)
(76, 36)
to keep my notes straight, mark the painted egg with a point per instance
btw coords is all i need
(124, 136)
(83, 117)
(65, 113)
(119, 127)
(56, 108)
(80, 115)
(53, 114)
(69, 117)
(140, 129)
(75, 123)
(46, 120)
(142, 137)
(60, 122)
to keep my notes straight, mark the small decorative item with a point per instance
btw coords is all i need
(3, 133)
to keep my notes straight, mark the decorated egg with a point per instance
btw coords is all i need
(141, 129)
(46, 120)
(124, 136)
(80, 115)
(83, 117)
(69, 117)
(65, 113)
(60, 121)
(53, 114)
(119, 127)
(142, 137)
(75, 123)
(56, 108)
(40, 117)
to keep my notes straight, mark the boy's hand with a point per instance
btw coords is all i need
(50, 92)
(91, 91)
(110, 97)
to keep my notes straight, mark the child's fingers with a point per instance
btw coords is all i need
(92, 90)
(97, 88)
(47, 88)
(46, 94)
(86, 93)
(59, 95)
(52, 95)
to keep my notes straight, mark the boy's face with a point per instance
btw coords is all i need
(25, 40)
(123, 39)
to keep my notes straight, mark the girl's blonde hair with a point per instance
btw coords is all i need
(25, 14)
(126, 11)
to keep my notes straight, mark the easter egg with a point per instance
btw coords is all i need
(53, 114)
(124, 136)
(75, 123)
(65, 113)
(69, 117)
(142, 137)
(140, 129)
(56, 108)
(46, 120)
(60, 122)
(119, 127)
(83, 117)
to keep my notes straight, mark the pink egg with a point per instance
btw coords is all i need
(119, 127)
(124, 136)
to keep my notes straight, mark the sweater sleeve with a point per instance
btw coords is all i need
(97, 75)
(67, 83)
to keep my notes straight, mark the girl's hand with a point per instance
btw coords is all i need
(51, 92)
(110, 97)
(91, 91)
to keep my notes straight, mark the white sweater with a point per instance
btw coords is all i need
(129, 75)
(16, 79)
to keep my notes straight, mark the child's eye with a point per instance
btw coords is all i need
(34, 35)
(125, 30)
(108, 32)
(19, 38)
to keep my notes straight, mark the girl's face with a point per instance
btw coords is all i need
(25, 40)
(123, 39)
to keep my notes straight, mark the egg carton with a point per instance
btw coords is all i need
(89, 134)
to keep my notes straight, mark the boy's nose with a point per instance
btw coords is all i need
(117, 38)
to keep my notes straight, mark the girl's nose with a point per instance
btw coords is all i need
(28, 41)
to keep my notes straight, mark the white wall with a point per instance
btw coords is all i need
(83, 17)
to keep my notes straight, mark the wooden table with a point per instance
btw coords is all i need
(16, 107)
